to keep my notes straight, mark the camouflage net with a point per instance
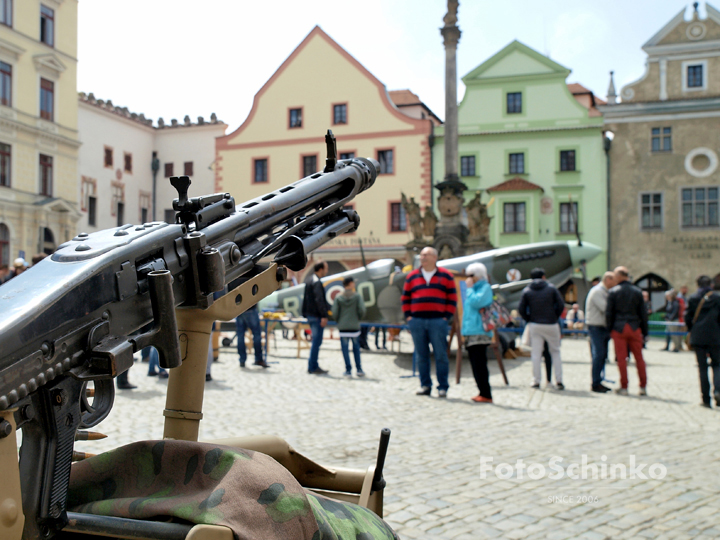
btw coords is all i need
(246, 491)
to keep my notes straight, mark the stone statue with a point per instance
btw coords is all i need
(412, 213)
(478, 219)
(450, 17)
(429, 222)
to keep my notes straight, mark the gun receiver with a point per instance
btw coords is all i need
(79, 315)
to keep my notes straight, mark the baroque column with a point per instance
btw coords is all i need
(451, 37)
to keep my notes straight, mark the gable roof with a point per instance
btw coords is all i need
(586, 98)
(515, 184)
(679, 19)
(318, 32)
(534, 64)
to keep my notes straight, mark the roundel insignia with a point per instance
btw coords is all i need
(332, 290)
(513, 275)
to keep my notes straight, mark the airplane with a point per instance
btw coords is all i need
(380, 283)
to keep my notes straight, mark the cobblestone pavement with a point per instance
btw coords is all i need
(440, 448)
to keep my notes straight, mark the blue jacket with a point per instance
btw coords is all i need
(478, 297)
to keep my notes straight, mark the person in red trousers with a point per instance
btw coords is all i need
(627, 320)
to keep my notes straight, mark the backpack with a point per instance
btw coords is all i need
(494, 316)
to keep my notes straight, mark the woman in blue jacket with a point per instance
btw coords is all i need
(479, 295)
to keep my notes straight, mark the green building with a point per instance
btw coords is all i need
(535, 146)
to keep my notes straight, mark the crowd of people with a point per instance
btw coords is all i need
(615, 310)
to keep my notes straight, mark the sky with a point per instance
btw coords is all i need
(171, 58)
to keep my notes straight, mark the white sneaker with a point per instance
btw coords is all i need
(348, 374)
(442, 393)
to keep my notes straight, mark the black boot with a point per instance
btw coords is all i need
(123, 383)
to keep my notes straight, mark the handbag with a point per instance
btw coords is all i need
(494, 316)
(695, 318)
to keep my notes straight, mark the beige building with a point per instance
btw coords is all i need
(38, 126)
(282, 140)
(118, 150)
(664, 176)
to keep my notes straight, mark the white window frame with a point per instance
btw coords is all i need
(662, 211)
(688, 63)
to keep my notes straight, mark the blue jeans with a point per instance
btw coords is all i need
(345, 346)
(250, 319)
(426, 332)
(154, 364)
(599, 338)
(317, 337)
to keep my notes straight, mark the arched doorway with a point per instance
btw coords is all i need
(4, 244)
(48, 246)
(656, 287)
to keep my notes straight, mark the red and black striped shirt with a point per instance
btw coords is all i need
(437, 299)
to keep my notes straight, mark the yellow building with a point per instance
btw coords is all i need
(319, 87)
(38, 126)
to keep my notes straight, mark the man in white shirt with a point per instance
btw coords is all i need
(595, 306)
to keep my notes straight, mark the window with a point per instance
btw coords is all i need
(651, 210)
(47, 25)
(4, 244)
(169, 216)
(92, 211)
(347, 155)
(467, 166)
(108, 157)
(120, 214)
(517, 164)
(661, 139)
(514, 102)
(143, 215)
(567, 160)
(5, 84)
(5, 165)
(188, 169)
(568, 217)
(340, 114)
(309, 165)
(261, 171)
(47, 98)
(398, 221)
(168, 170)
(295, 118)
(46, 175)
(385, 158)
(6, 12)
(128, 162)
(514, 214)
(700, 207)
(695, 76)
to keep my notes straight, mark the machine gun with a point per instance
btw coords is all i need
(78, 316)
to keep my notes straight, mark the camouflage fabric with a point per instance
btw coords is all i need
(247, 491)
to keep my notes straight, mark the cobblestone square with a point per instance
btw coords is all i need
(440, 482)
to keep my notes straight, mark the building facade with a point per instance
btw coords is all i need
(535, 145)
(38, 126)
(664, 176)
(116, 163)
(282, 140)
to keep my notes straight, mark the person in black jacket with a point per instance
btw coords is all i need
(626, 317)
(703, 322)
(541, 306)
(315, 309)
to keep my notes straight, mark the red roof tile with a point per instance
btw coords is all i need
(515, 184)
(404, 97)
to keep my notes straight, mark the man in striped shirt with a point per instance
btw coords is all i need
(428, 303)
